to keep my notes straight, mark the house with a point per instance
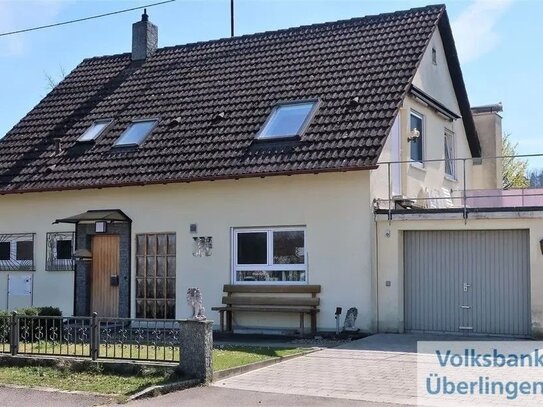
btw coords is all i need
(323, 154)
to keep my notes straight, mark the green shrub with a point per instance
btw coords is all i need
(28, 311)
(49, 312)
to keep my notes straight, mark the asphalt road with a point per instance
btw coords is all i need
(21, 397)
(215, 396)
(195, 397)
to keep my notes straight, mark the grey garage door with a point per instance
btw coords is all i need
(473, 282)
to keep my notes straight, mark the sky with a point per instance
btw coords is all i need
(498, 41)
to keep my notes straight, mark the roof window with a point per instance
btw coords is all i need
(287, 120)
(95, 129)
(136, 133)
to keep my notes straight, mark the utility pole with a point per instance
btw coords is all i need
(231, 18)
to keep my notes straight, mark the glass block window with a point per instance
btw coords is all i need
(60, 249)
(17, 252)
(271, 255)
(155, 275)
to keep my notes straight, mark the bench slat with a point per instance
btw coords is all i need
(286, 301)
(265, 309)
(272, 289)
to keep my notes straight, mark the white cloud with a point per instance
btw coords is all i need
(475, 29)
(17, 14)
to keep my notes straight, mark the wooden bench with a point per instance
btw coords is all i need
(270, 298)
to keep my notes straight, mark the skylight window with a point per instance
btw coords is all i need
(136, 132)
(287, 120)
(95, 129)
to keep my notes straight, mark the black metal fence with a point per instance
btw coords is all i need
(94, 337)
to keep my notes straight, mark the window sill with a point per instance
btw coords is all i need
(270, 282)
(450, 178)
(418, 165)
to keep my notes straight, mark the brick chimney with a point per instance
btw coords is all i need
(144, 38)
(488, 122)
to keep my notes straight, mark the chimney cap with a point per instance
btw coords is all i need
(144, 16)
(492, 108)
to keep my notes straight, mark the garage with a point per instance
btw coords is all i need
(473, 282)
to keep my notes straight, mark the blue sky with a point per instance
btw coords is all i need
(499, 43)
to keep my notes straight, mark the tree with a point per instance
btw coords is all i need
(536, 178)
(53, 80)
(514, 168)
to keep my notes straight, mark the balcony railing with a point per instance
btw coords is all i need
(456, 193)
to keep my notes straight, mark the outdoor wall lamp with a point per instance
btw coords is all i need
(413, 135)
(100, 226)
(83, 255)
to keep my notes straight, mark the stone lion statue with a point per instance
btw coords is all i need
(194, 300)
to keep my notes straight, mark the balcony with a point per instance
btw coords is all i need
(474, 188)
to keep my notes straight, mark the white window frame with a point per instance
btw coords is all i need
(52, 262)
(448, 134)
(415, 163)
(269, 266)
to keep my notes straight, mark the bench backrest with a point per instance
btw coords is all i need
(272, 289)
(266, 295)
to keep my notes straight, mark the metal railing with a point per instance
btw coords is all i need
(94, 337)
(461, 197)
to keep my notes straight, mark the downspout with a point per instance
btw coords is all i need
(376, 273)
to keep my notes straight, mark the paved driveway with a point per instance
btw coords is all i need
(380, 368)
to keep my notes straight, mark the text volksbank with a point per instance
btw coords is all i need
(494, 358)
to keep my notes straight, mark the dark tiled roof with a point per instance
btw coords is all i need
(373, 58)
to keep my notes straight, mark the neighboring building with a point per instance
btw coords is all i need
(264, 159)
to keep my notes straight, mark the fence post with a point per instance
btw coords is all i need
(94, 345)
(14, 333)
(196, 346)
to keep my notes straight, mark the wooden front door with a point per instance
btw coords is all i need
(105, 270)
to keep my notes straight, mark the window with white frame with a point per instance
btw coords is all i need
(17, 252)
(450, 169)
(417, 127)
(60, 248)
(270, 255)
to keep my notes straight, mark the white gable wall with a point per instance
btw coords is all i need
(429, 179)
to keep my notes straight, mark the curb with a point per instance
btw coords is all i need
(234, 371)
(162, 389)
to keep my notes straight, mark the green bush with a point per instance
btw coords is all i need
(49, 312)
(28, 312)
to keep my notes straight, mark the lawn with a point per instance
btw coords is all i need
(121, 386)
(227, 357)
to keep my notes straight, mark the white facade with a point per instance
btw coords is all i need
(335, 210)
